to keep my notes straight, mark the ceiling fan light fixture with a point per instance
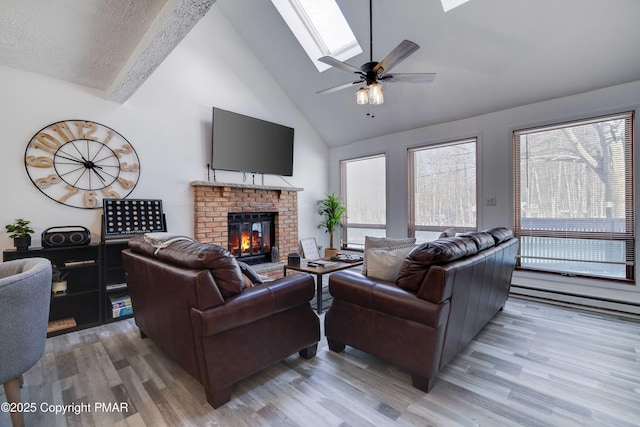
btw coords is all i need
(372, 72)
(362, 96)
(376, 95)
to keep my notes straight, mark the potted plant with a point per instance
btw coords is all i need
(20, 233)
(331, 210)
(58, 281)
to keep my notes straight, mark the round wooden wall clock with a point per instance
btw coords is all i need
(78, 163)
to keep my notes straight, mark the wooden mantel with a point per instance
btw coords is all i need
(242, 185)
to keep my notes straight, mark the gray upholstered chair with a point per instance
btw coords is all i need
(25, 294)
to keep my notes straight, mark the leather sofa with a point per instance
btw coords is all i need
(190, 299)
(446, 292)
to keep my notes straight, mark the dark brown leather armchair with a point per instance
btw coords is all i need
(445, 294)
(189, 298)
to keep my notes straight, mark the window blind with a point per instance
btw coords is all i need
(574, 197)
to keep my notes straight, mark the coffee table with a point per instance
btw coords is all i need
(319, 271)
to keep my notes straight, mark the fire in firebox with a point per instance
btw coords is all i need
(250, 236)
(249, 242)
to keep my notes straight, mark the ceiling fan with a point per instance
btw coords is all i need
(372, 73)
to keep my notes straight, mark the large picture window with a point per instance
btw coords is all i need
(574, 197)
(364, 192)
(443, 189)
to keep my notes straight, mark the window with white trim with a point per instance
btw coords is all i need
(447, 5)
(364, 192)
(442, 189)
(574, 197)
(320, 28)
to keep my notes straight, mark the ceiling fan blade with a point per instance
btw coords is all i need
(337, 88)
(409, 77)
(397, 55)
(339, 64)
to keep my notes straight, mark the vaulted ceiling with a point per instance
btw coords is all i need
(488, 54)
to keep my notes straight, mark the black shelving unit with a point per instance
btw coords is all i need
(113, 274)
(121, 220)
(82, 300)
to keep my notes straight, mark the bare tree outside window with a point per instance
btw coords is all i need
(574, 197)
(364, 192)
(443, 188)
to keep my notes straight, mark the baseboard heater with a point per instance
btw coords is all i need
(600, 305)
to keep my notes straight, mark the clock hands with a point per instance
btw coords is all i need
(69, 158)
(92, 167)
(87, 164)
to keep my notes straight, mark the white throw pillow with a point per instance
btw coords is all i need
(385, 264)
(371, 242)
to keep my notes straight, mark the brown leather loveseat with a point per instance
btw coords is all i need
(446, 292)
(190, 299)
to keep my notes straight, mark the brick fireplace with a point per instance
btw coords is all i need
(214, 201)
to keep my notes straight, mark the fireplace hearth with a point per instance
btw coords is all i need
(251, 235)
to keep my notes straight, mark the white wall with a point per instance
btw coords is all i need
(168, 121)
(495, 169)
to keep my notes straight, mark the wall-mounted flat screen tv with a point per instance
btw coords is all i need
(246, 144)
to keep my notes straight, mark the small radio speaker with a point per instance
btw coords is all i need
(69, 235)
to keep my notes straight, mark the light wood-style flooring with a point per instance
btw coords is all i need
(533, 365)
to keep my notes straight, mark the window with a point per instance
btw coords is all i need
(442, 193)
(364, 193)
(321, 29)
(574, 197)
(447, 5)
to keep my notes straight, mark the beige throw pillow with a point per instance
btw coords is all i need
(385, 264)
(371, 242)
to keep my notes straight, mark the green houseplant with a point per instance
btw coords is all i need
(20, 233)
(331, 210)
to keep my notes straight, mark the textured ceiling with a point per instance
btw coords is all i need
(111, 45)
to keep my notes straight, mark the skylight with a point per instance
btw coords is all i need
(447, 5)
(321, 29)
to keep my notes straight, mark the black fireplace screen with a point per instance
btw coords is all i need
(251, 235)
